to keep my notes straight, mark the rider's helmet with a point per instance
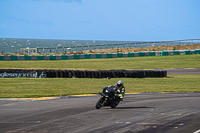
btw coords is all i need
(119, 83)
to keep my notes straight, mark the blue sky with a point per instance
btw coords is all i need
(118, 20)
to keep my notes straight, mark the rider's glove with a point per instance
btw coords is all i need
(120, 95)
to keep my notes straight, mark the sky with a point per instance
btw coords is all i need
(112, 20)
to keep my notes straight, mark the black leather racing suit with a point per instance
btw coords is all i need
(120, 91)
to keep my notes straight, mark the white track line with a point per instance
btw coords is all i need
(198, 131)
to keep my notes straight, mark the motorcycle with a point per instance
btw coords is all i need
(109, 97)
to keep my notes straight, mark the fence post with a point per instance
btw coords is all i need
(185, 42)
(172, 43)
(179, 42)
(63, 49)
(94, 47)
(82, 48)
(88, 47)
(106, 46)
(50, 51)
(129, 45)
(191, 41)
(135, 45)
(43, 50)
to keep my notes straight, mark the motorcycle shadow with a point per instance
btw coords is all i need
(142, 107)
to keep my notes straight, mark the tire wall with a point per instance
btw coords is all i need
(106, 74)
(10, 73)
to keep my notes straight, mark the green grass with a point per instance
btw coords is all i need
(35, 87)
(149, 62)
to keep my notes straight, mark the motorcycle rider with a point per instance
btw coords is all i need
(120, 89)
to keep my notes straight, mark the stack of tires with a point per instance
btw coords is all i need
(89, 74)
(105, 74)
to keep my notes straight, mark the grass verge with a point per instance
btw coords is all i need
(35, 87)
(147, 62)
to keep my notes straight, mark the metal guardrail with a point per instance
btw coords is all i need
(109, 46)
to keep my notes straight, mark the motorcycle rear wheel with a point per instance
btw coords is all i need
(115, 105)
(99, 103)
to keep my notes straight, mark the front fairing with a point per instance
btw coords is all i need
(109, 96)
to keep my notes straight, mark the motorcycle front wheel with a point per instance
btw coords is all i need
(99, 103)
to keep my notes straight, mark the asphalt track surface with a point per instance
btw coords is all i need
(138, 113)
(182, 71)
